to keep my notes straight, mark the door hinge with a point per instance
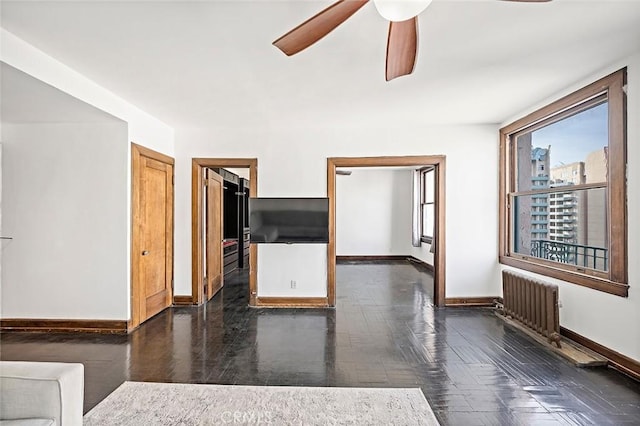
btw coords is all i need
(206, 182)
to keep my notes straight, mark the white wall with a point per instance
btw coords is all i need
(292, 162)
(279, 264)
(140, 128)
(143, 128)
(423, 253)
(2, 242)
(65, 203)
(373, 212)
(611, 320)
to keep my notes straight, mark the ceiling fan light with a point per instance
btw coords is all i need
(400, 10)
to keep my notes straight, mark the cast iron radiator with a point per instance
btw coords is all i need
(533, 303)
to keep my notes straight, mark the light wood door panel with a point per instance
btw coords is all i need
(214, 234)
(152, 239)
(156, 184)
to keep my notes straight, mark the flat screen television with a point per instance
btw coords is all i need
(289, 220)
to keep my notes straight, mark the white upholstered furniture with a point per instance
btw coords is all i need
(41, 393)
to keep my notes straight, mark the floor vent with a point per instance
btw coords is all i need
(532, 303)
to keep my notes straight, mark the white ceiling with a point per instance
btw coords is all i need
(211, 63)
(28, 100)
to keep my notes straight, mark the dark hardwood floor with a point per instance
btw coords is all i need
(472, 368)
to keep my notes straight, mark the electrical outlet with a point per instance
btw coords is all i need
(293, 284)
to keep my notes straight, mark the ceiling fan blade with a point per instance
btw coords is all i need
(402, 48)
(313, 29)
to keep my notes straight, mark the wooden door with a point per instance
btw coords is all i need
(152, 239)
(213, 280)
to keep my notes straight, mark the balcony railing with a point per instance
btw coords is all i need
(574, 254)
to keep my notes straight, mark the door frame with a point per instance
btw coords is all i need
(197, 194)
(137, 152)
(439, 257)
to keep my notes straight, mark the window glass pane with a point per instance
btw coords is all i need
(427, 220)
(571, 151)
(429, 187)
(566, 227)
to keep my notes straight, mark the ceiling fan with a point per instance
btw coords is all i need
(402, 41)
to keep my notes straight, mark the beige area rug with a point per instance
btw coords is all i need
(136, 403)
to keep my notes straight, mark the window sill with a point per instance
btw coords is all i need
(595, 283)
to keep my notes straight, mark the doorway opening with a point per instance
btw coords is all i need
(438, 163)
(220, 240)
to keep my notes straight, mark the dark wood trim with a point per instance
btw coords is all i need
(331, 247)
(617, 194)
(179, 300)
(561, 189)
(64, 325)
(586, 103)
(197, 217)
(421, 264)
(503, 175)
(615, 280)
(135, 243)
(197, 166)
(439, 233)
(437, 161)
(561, 267)
(581, 95)
(238, 163)
(418, 161)
(618, 361)
(477, 302)
(292, 302)
(568, 276)
(253, 248)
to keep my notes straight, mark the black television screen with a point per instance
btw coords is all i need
(289, 220)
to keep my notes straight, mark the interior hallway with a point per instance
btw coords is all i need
(472, 368)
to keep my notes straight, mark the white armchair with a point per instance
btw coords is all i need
(41, 393)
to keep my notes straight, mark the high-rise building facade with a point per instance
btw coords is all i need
(566, 217)
(540, 202)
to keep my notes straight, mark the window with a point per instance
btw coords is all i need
(427, 203)
(569, 159)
